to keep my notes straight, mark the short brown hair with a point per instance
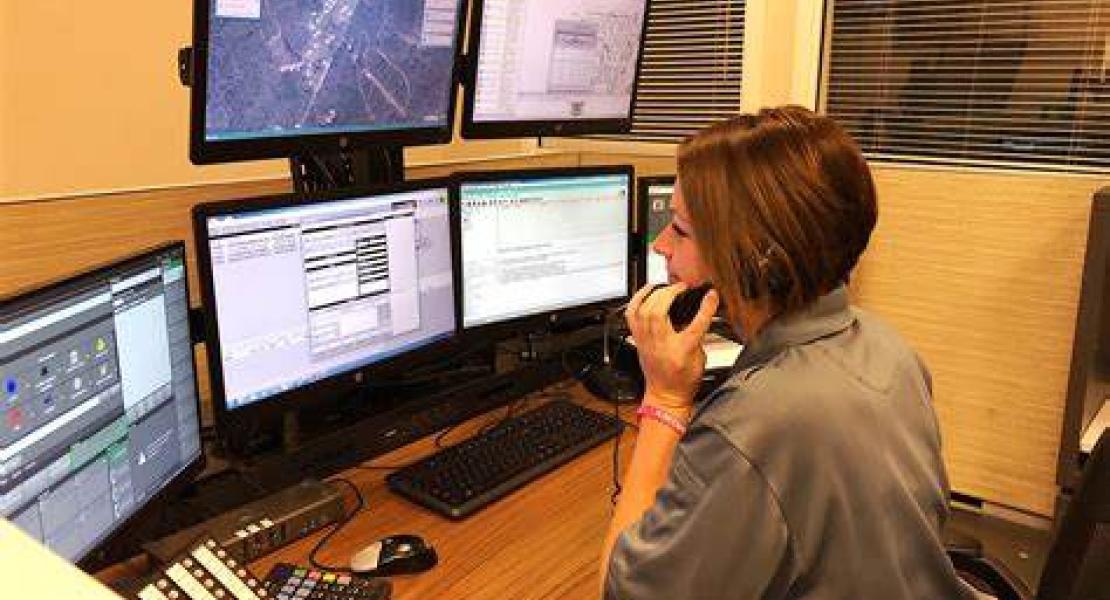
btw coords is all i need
(782, 203)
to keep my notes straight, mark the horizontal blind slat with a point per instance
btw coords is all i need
(690, 74)
(1000, 81)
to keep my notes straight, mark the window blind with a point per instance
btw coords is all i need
(690, 72)
(1012, 83)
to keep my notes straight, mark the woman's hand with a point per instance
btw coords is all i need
(672, 361)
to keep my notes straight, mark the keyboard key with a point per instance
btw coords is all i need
(324, 585)
(459, 480)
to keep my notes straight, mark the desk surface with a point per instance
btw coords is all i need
(542, 541)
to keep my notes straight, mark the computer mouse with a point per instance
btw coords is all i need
(394, 555)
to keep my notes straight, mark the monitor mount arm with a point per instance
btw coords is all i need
(349, 167)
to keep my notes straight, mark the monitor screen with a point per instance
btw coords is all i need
(283, 76)
(535, 243)
(99, 399)
(553, 66)
(655, 204)
(302, 292)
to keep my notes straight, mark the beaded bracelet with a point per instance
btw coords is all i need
(664, 417)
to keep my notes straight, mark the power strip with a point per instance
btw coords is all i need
(262, 526)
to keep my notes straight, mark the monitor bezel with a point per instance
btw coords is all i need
(642, 211)
(326, 390)
(547, 318)
(23, 299)
(203, 151)
(471, 129)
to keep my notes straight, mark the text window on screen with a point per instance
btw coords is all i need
(362, 279)
(305, 292)
(565, 59)
(260, 304)
(533, 247)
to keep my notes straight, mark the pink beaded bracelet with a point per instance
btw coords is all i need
(664, 417)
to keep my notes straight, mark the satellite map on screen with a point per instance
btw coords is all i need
(292, 67)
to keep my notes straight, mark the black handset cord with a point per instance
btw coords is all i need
(617, 447)
(616, 455)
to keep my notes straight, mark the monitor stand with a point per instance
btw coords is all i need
(319, 172)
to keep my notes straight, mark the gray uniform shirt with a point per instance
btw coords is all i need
(814, 472)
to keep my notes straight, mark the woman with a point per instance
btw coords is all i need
(815, 471)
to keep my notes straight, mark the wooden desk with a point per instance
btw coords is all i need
(542, 541)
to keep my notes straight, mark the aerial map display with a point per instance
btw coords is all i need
(294, 67)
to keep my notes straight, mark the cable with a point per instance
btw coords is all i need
(617, 455)
(339, 525)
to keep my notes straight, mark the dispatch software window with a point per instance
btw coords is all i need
(557, 59)
(305, 292)
(534, 246)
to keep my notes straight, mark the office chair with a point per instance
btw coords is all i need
(1078, 562)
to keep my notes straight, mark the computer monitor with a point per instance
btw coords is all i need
(285, 77)
(552, 67)
(99, 399)
(653, 197)
(536, 245)
(303, 299)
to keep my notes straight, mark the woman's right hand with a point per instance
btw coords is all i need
(672, 361)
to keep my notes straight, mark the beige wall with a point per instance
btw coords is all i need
(981, 272)
(90, 102)
(90, 99)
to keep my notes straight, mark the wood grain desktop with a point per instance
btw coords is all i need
(542, 541)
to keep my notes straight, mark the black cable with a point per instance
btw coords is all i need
(509, 410)
(438, 441)
(616, 455)
(339, 525)
(620, 431)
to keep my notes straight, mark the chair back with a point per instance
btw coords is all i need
(1078, 563)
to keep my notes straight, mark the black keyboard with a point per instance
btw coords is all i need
(460, 479)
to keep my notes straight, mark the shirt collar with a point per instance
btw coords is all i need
(828, 315)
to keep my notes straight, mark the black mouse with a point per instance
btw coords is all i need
(394, 555)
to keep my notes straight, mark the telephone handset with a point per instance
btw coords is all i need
(686, 305)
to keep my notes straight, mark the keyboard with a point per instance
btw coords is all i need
(463, 478)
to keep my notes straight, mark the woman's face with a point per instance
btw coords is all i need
(677, 244)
